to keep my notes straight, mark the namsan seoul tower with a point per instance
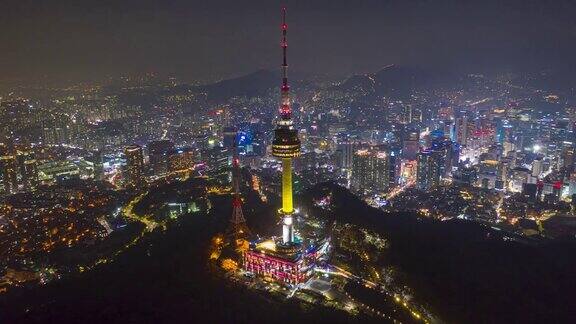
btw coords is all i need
(290, 261)
(286, 144)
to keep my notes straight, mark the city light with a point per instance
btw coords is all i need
(421, 181)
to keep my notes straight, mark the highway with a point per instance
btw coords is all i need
(334, 270)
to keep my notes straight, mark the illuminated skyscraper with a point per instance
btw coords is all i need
(407, 114)
(346, 151)
(286, 144)
(567, 159)
(181, 159)
(361, 167)
(381, 170)
(28, 168)
(411, 145)
(461, 130)
(134, 165)
(158, 152)
(429, 169)
(8, 168)
(229, 136)
(448, 154)
(98, 165)
(218, 161)
(371, 170)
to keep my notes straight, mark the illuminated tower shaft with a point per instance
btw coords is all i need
(287, 204)
(286, 144)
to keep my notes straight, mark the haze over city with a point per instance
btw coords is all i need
(211, 40)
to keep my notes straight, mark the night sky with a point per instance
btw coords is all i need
(208, 40)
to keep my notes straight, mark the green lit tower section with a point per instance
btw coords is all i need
(286, 144)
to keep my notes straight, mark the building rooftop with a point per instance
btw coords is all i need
(291, 252)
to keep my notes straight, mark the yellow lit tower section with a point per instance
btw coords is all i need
(286, 144)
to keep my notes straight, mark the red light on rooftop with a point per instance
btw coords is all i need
(558, 185)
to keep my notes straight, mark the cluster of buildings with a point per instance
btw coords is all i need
(374, 134)
(18, 167)
(50, 218)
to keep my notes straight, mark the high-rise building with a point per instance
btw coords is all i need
(411, 145)
(446, 113)
(537, 167)
(346, 154)
(361, 168)
(448, 153)
(461, 128)
(407, 113)
(229, 136)
(568, 158)
(8, 168)
(158, 152)
(16, 114)
(408, 170)
(519, 176)
(56, 132)
(394, 167)
(181, 159)
(448, 127)
(134, 166)
(371, 171)
(28, 167)
(381, 170)
(98, 162)
(429, 169)
(465, 175)
(218, 164)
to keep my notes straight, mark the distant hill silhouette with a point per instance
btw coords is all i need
(250, 85)
(393, 81)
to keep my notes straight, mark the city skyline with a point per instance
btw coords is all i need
(418, 192)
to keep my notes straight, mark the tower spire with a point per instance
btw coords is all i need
(285, 109)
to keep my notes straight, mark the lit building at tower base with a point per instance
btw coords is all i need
(290, 264)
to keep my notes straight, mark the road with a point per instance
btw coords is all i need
(398, 190)
(332, 269)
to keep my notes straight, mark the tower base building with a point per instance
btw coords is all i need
(289, 264)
